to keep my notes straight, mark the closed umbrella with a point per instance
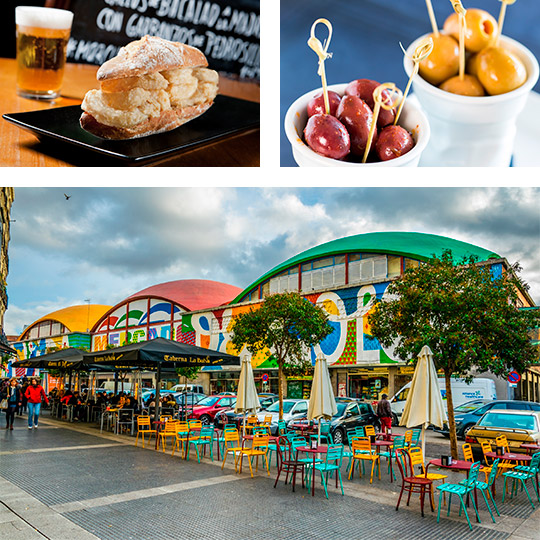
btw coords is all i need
(322, 403)
(247, 399)
(424, 403)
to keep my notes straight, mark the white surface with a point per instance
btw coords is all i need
(527, 142)
(412, 119)
(472, 131)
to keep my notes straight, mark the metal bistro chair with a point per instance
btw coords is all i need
(461, 490)
(232, 445)
(412, 484)
(259, 448)
(286, 459)
(361, 449)
(334, 458)
(144, 427)
(521, 474)
(182, 438)
(125, 418)
(206, 438)
(169, 430)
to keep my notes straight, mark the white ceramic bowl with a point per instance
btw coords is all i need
(412, 119)
(472, 131)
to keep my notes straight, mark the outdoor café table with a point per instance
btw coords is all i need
(22, 149)
(530, 447)
(521, 459)
(303, 427)
(308, 450)
(386, 444)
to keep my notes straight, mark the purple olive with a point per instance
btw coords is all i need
(316, 104)
(393, 142)
(357, 117)
(364, 88)
(327, 136)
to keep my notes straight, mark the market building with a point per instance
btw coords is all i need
(6, 200)
(343, 276)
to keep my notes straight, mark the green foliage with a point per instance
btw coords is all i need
(285, 326)
(189, 373)
(285, 323)
(468, 317)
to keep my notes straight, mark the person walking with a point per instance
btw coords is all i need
(11, 393)
(384, 412)
(22, 408)
(34, 395)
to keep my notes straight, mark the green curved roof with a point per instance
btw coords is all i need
(406, 244)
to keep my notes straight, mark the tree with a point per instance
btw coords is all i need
(189, 373)
(285, 326)
(469, 317)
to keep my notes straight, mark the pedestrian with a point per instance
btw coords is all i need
(384, 412)
(34, 395)
(22, 408)
(12, 394)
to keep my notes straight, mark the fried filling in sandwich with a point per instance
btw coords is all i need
(130, 101)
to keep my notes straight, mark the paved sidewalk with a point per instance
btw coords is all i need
(69, 481)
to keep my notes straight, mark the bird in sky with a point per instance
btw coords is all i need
(67, 197)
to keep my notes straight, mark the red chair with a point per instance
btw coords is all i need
(412, 484)
(286, 461)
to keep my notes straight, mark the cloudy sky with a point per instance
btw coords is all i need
(105, 244)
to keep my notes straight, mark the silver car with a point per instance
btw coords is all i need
(292, 409)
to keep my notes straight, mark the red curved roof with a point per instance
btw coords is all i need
(192, 294)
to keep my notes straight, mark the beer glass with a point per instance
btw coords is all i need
(42, 37)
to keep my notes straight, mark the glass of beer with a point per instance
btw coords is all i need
(42, 37)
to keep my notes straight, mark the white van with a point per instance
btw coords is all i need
(461, 392)
(109, 386)
(196, 388)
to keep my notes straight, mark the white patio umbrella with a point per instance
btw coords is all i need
(322, 403)
(424, 405)
(247, 399)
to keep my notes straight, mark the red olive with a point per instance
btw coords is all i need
(363, 88)
(316, 104)
(327, 136)
(357, 117)
(393, 142)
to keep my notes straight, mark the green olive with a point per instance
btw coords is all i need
(480, 28)
(443, 62)
(499, 70)
(469, 86)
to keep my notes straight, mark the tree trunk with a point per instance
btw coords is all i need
(450, 411)
(280, 390)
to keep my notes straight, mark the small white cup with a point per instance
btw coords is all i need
(472, 131)
(412, 119)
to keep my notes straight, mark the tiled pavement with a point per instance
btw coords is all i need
(78, 484)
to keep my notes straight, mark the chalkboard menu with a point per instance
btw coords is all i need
(226, 31)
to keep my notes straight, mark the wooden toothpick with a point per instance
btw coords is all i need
(502, 14)
(420, 53)
(431, 14)
(322, 52)
(461, 12)
(387, 96)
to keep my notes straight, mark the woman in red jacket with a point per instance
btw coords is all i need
(34, 394)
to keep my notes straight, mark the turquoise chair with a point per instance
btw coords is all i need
(415, 439)
(326, 436)
(206, 438)
(521, 474)
(461, 490)
(281, 428)
(485, 487)
(334, 458)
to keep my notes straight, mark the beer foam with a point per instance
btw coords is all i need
(38, 17)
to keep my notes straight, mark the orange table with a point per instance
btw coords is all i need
(22, 149)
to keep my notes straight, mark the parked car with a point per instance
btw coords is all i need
(292, 409)
(196, 388)
(206, 409)
(468, 414)
(518, 426)
(351, 414)
(228, 416)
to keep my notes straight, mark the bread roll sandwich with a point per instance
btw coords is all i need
(152, 86)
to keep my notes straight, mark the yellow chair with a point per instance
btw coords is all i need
(408, 438)
(417, 460)
(143, 427)
(369, 431)
(168, 430)
(182, 437)
(251, 422)
(195, 427)
(361, 450)
(504, 464)
(467, 452)
(231, 445)
(267, 422)
(259, 448)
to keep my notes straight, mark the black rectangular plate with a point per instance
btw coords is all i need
(228, 116)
